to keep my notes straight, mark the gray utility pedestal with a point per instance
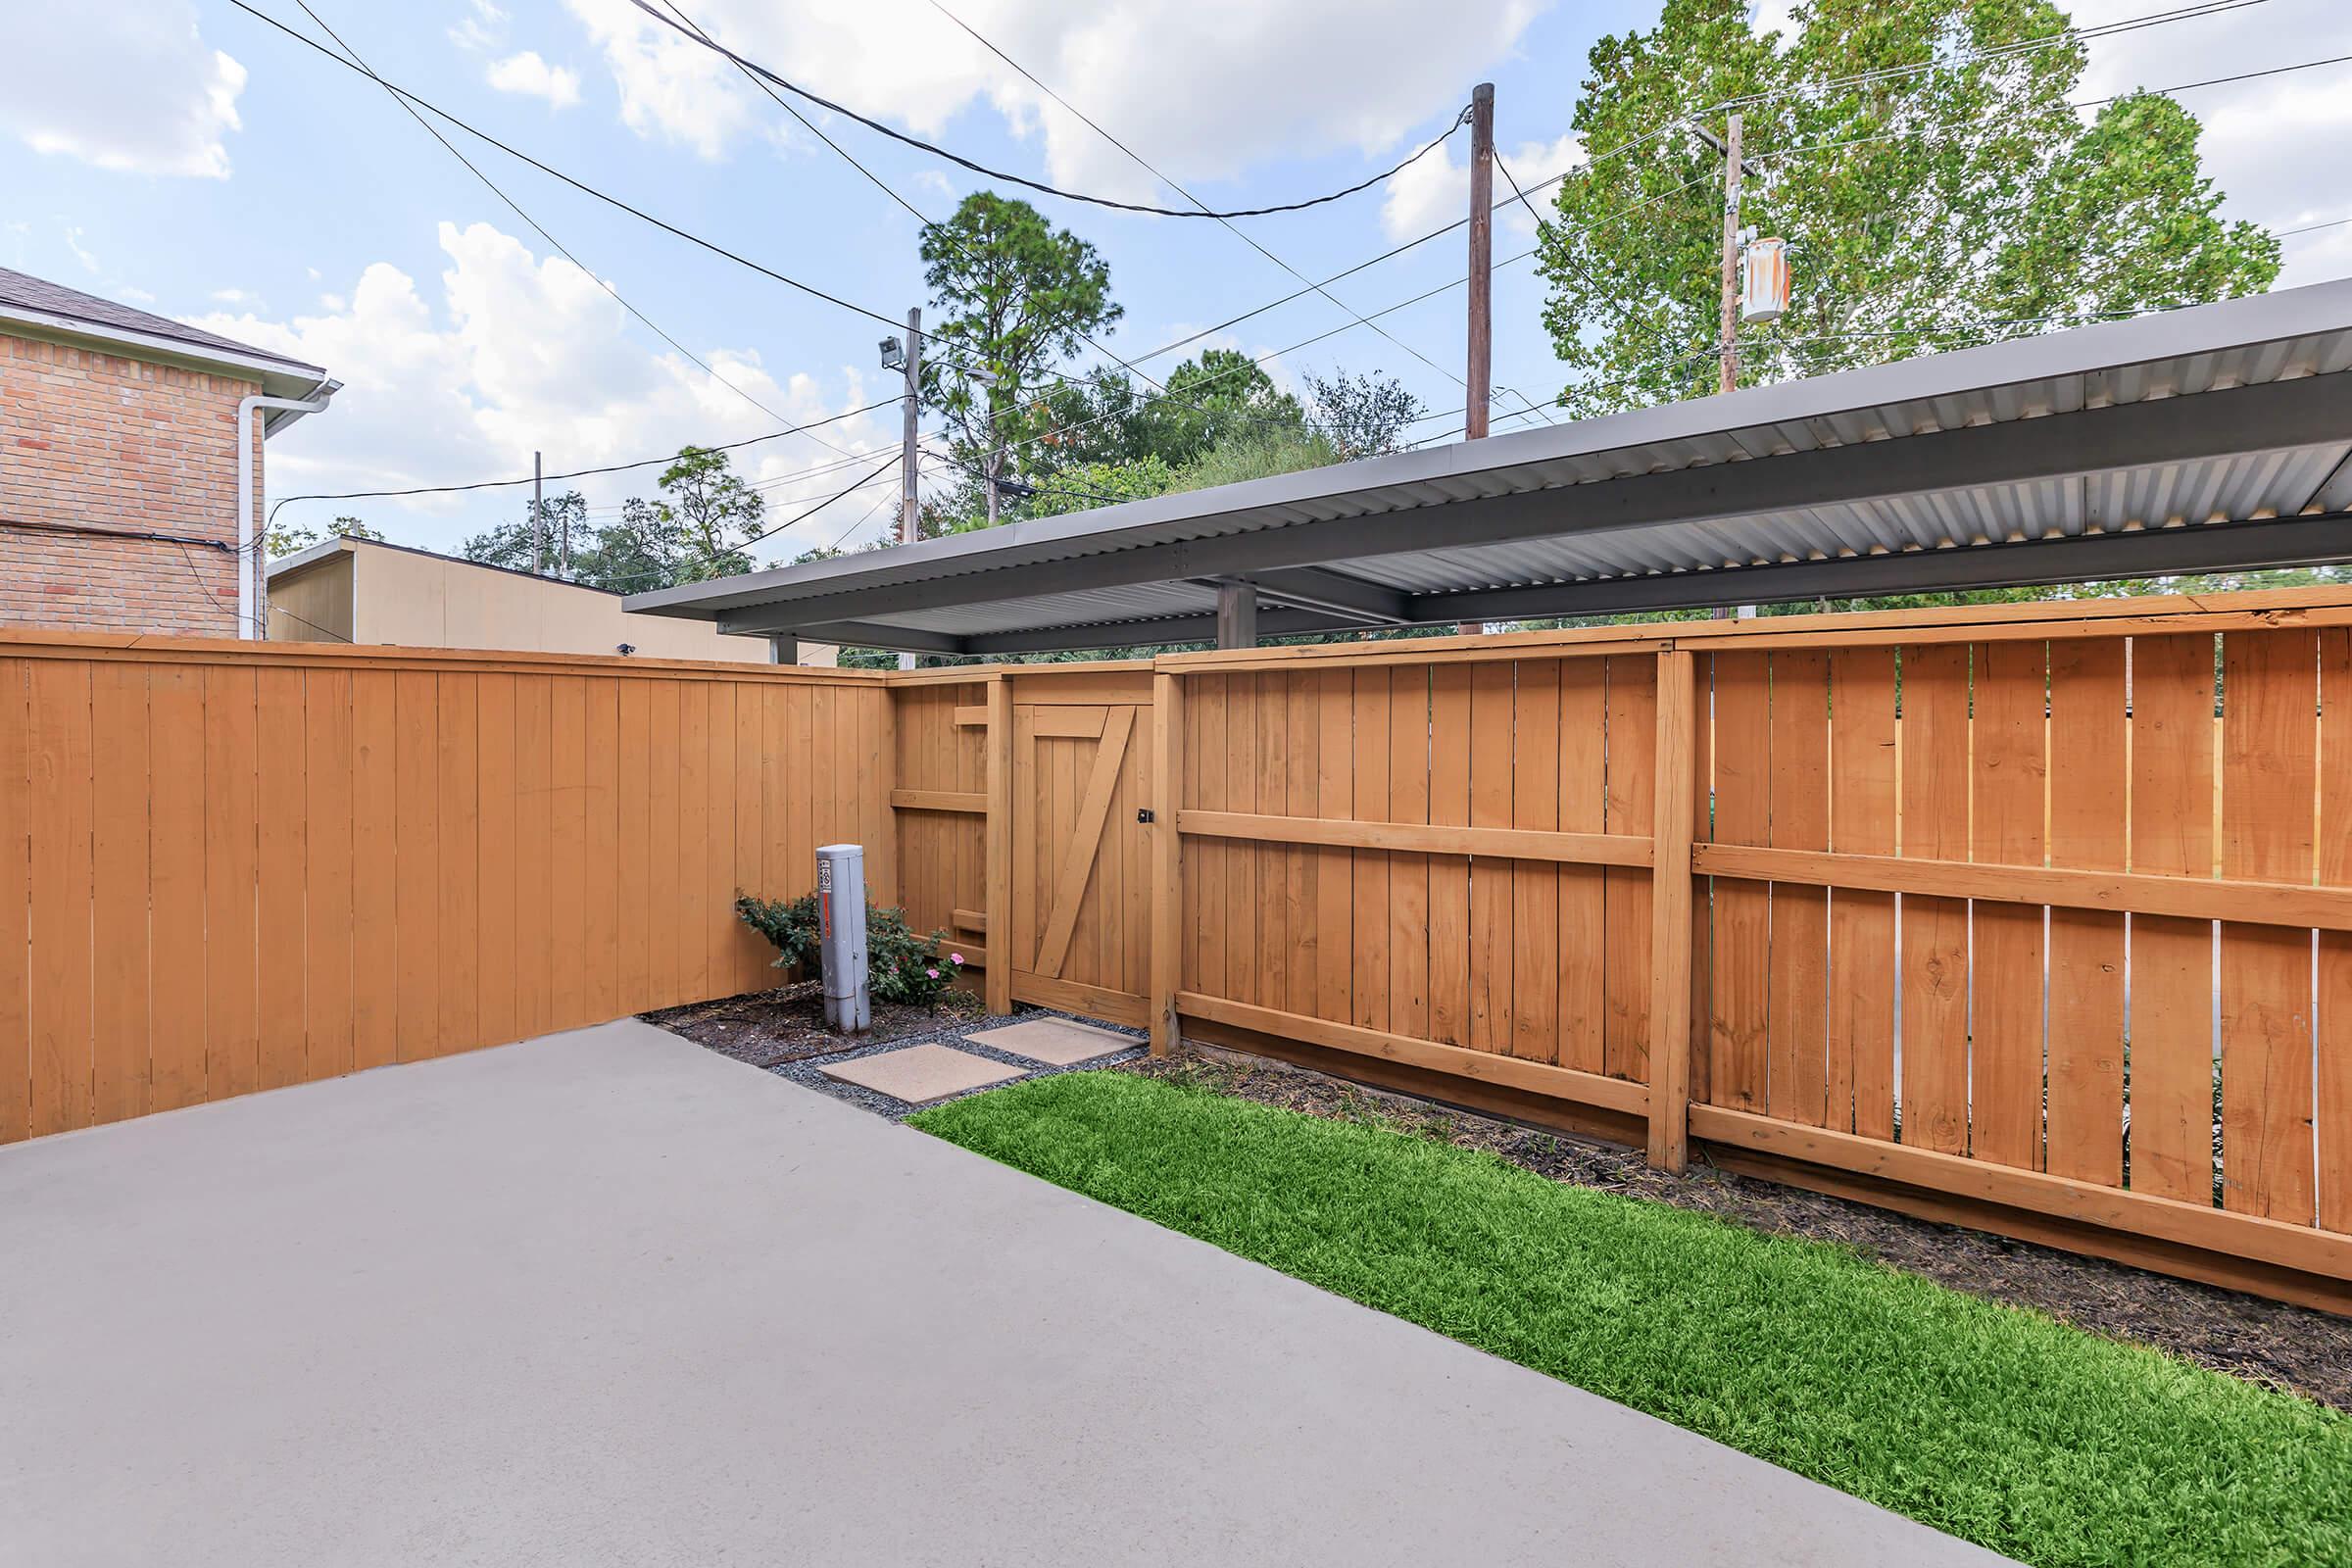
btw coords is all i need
(841, 936)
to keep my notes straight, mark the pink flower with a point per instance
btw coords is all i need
(956, 959)
(933, 973)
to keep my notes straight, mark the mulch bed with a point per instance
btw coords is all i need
(2289, 1348)
(772, 1028)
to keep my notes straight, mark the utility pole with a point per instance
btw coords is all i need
(909, 503)
(1479, 373)
(1729, 342)
(538, 521)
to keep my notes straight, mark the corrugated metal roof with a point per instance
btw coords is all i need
(2220, 435)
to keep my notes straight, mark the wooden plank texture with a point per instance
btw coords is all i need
(1862, 821)
(2090, 772)
(2270, 745)
(1797, 1085)
(2008, 762)
(2172, 959)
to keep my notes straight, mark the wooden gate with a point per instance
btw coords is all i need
(1081, 937)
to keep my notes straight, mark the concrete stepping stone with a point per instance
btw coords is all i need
(1056, 1042)
(920, 1074)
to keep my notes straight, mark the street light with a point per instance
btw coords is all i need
(894, 353)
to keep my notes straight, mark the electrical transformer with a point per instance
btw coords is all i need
(1764, 280)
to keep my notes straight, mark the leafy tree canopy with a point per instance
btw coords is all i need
(1365, 416)
(1013, 295)
(284, 539)
(700, 527)
(1924, 208)
(1110, 420)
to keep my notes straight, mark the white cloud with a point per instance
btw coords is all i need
(129, 86)
(1435, 191)
(518, 353)
(1203, 89)
(533, 77)
(81, 253)
(482, 27)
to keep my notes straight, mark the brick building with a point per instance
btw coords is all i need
(120, 505)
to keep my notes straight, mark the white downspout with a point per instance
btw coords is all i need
(250, 562)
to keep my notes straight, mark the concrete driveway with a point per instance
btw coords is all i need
(607, 1298)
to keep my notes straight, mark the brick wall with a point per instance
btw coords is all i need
(98, 441)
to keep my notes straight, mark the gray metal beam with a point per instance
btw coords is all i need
(2271, 417)
(1335, 592)
(847, 633)
(1135, 634)
(2089, 557)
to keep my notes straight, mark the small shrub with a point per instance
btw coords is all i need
(901, 966)
(790, 928)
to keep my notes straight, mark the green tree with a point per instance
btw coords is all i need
(637, 552)
(516, 547)
(284, 539)
(1014, 295)
(1365, 416)
(1205, 401)
(714, 513)
(1950, 199)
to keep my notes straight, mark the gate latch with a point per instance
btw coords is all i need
(1143, 814)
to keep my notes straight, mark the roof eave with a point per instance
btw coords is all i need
(278, 378)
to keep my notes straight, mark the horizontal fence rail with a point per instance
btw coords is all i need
(2036, 918)
(225, 869)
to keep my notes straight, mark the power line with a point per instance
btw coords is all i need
(575, 473)
(709, 42)
(1998, 52)
(1800, 148)
(889, 190)
(1145, 164)
(888, 463)
(540, 230)
(580, 185)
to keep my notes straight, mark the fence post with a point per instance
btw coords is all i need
(999, 868)
(1670, 914)
(1167, 856)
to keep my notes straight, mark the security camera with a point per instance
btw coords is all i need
(894, 353)
(627, 649)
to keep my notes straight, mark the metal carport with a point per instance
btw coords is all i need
(2218, 437)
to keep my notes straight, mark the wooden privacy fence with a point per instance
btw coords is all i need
(2033, 917)
(227, 866)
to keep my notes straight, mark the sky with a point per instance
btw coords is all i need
(229, 177)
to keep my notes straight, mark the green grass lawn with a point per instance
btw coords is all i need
(1998, 1425)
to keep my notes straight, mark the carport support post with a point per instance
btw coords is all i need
(998, 895)
(785, 650)
(1670, 898)
(1167, 862)
(1237, 614)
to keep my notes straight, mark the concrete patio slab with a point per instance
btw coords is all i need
(607, 1298)
(1056, 1042)
(920, 1074)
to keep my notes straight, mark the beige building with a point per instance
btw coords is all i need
(364, 591)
